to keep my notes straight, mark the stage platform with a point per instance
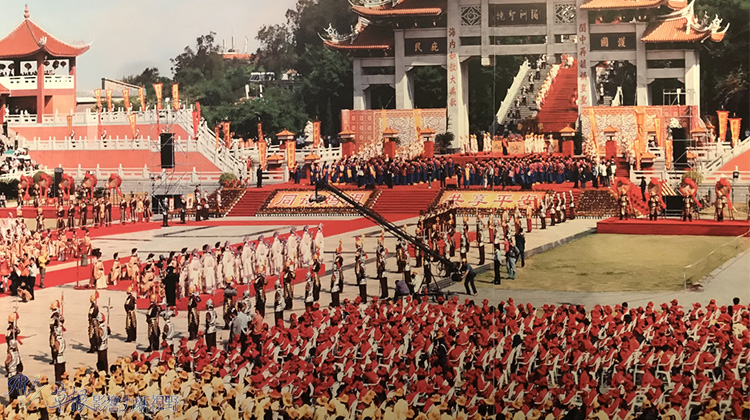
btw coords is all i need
(673, 227)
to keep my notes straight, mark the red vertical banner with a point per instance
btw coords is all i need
(217, 129)
(262, 150)
(108, 92)
(196, 123)
(723, 117)
(70, 123)
(142, 98)
(227, 134)
(126, 99)
(260, 132)
(131, 118)
(316, 134)
(734, 126)
(291, 153)
(98, 96)
(157, 91)
(176, 96)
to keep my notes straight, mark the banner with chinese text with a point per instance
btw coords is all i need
(492, 199)
(291, 154)
(132, 118)
(176, 96)
(157, 92)
(262, 151)
(126, 98)
(734, 126)
(723, 118)
(109, 99)
(315, 134)
(98, 96)
(301, 199)
(583, 68)
(142, 98)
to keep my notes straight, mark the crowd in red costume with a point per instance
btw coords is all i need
(465, 359)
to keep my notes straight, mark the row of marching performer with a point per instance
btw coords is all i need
(207, 271)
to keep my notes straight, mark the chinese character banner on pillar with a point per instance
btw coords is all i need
(583, 66)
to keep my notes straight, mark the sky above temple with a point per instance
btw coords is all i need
(129, 36)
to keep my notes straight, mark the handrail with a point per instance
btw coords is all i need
(512, 91)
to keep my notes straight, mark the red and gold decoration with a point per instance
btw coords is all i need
(217, 131)
(262, 150)
(132, 119)
(157, 92)
(723, 187)
(196, 119)
(491, 200)
(126, 98)
(734, 126)
(298, 201)
(723, 118)
(108, 92)
(316, 134)
(98, 96)
(176, 96)
(142, 98)
(227, 134)
(70, 123)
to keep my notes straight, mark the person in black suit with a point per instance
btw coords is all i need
(521, 245)
(259, 175)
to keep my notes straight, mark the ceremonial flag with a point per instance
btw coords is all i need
(316, 134)
(216, 131)
(98, 96)
(260, 132)
(131, 118)
(723, 116)
(734, 125)
(227, 134)
(196, 123)
(262, 149)
(142, 98)
(176, 96)
(157, 91)
(70, 123)
(109, 99)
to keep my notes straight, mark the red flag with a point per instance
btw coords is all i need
(98, 96)
(260, 131)
(196, 123)
(142, 97)
(216, 131)
(723, 117)
(176, 96)
(109, 99)
(734, 127)
(291, 153)
(70, 123)
(131, 118)
(126, 98)
(316, 134)
(157, 91)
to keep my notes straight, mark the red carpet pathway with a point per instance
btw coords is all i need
(558, 110)
(673, 227)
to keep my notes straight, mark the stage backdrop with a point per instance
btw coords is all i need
(594, 120)
(492, 199)
(368, 125)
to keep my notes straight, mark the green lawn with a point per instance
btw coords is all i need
(605, 263)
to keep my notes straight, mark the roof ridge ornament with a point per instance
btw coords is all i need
(26, 13)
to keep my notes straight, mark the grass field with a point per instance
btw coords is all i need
(605, 263)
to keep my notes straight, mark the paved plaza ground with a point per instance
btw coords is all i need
(730, 280)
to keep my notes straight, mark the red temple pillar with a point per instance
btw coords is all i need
(39, 87)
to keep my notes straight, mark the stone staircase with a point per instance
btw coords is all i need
(405, 200)
(558, 110)
(250, 202)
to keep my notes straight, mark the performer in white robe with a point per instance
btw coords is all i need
(261, 256)
(229, 263)
(209, 271)
(305, 248)
(248, 261)
(318, 242)
(275, 255)
(292, 248)
(194, 267)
